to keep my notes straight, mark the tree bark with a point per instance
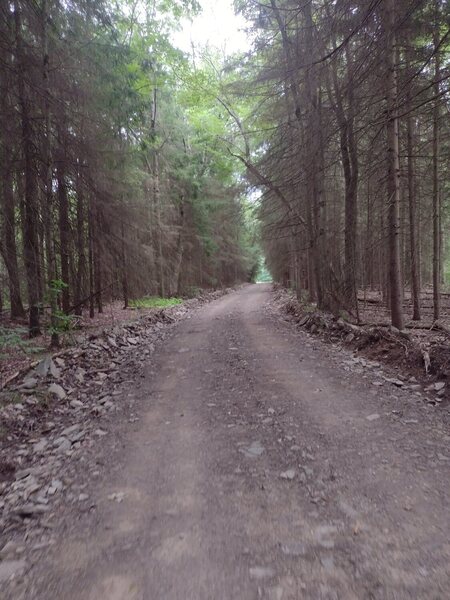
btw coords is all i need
(64, 233)
(91, 263)
(415, 287)
(79, 288)
(48, 181)
(125, 290)
(30, 213)
(393, 169)
(8, 246)
(97, 260)
(350, 165)
(436, 198)
(179, 252)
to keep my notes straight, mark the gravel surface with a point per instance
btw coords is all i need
(250, 461)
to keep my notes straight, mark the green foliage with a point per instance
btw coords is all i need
(57, 286)
(11, 338)
(263, 275)
(155, 302)
(62, 323)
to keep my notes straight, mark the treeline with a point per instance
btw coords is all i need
(111, 181)
(352, 146)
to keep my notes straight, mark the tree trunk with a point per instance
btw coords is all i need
(91, 265)
(415, 289)
(64, 233)
(98, 267)
(350, 165)
(30, 213)
(179, 252)
(48, 183)
(436, 198)
(79, 288)
(9, 249)
(157, 197)
(124, 272)
(8, 246)
(393, 167)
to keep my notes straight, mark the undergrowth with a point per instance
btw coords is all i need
(16, 338)
(155, 302)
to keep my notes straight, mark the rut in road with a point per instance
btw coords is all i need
(262, 468)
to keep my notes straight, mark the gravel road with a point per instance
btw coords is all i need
(265, 464)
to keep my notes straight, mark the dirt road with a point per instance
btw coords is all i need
(263, 466)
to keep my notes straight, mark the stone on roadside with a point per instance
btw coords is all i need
(117, 496)
(68, 431)
(46, 367)
(11, 548)
(29, 383)
(76, 436)
(289, 474)
(11, 568)
(254, 450)
(62, 444)
(76, 404)
(373, 417)
(57, 391)
(100, 432)
(394, 381)
(40, 446)
(55, 486)
(30, 510)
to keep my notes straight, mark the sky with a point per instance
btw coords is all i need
(216, 26)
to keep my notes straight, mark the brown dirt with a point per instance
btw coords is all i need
(195, 500)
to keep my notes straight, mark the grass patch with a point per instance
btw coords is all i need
(155, 302)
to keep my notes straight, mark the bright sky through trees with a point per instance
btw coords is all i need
(216, 26)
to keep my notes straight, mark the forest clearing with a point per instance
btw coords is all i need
(224, 299)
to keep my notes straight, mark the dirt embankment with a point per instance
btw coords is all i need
(420, 357)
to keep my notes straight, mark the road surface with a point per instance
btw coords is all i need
(263, 466)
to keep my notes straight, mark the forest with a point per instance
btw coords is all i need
(114, 183)
(355, 167)
(129, 168)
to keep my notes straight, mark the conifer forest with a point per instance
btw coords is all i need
(126, 164)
